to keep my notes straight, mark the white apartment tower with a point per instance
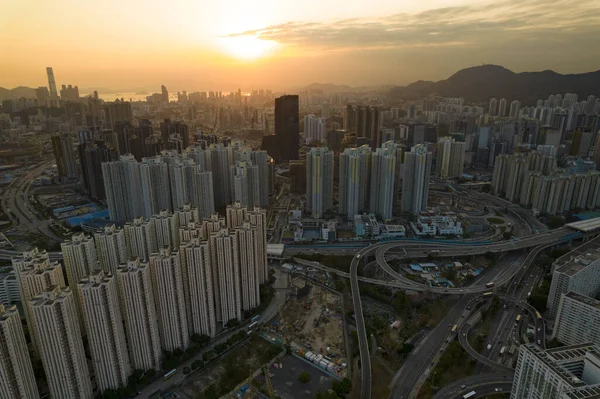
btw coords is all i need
(139, 314)
(16, 372)
(170, 299)
(319, 181)
(61, 346)
(355, 173)
(383, 175)
(226, 276)
(248, 244)
(258, 218)
(198, 287)
(450, 157)
(140, 236)
(235, 215)
(245, 183)
(111, 247)
(415, 183)
(315, 129)
(166, 225)
(577, 320)
(204, 194)
(104, 325)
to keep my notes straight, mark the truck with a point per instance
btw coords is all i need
(469, 395)
(489, 346)
(489, 285)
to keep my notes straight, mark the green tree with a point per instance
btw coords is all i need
(304, 377)
(555, 222)
(342, 388)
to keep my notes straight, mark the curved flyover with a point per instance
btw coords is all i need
(463, 335)
(482, 384)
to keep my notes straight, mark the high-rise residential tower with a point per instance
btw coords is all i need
(415, 183)
(104, 325)
(79, 256)
(248, 243)
(354, 182)
(61, 346)
(140, 236)
(139, 315)
(226, 276)
(111, 247)
(450, 157)
(64, 154)
(16, 372)
(383, 175)
(319, 181)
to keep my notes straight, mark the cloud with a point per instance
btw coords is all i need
(505, 23)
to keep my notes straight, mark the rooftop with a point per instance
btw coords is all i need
(579, 258)
(585, 226)
(584, 299)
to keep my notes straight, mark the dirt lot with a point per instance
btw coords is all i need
(285, 380)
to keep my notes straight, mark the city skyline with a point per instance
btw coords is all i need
(236, 44)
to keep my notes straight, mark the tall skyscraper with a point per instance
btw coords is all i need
(140, 236)
(170, 299)
(164, 93)
(258, 218)
(502, 108)
(226, 276)
(16, 372)
(415, 183)
(80, 259)
(61, 346)
(64, 154)
(139, 314)
(450, 157)
(111, 247)
(493, 110)
(198, 287)
(248, 243)
(287, 127)
(104, 326)
(383, 175)
(319, 181)
(354, 182)
(51, 83)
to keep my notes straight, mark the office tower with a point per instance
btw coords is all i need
(166, 225)
(319, 181)
(354, 183)
(257, 217)
(315, 129)
(140, 236)
(515, 110)
(502, 108)
(560, 373)
(104, 326)
(35, 273)
(493, 110)
(204, 194)
(577, 320)
(16, 372)
(248, 243)
(198, 287)
(287, 128)
(64, 154)
(415, 183)
(450, 157)
(383, 174)
(245, 187)
(164, 94)
(170, 299)
(61, 346)
(139, 314)
(80, 259)
(91, 157)
(51, 83)
(111, 247)
(220, 161)
(117, 111)
(226, 276)
(577, 273)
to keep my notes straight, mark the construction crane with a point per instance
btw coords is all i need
(269, 385)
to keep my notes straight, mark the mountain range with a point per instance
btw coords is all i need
(480, 83)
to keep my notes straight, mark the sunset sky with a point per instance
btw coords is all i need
(224, 44)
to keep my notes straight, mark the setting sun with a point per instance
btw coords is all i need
(246, 47)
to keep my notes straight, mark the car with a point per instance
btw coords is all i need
(539, 341)
(463, 386)
(498, 389)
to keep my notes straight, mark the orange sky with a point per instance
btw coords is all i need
(193, 45)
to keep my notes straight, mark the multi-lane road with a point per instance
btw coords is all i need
(483, 385)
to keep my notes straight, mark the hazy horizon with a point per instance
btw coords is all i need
(139, 45)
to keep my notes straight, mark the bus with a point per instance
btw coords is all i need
(538, 315)
(255, 318)
(454, 328)
(170, 374)
(518, 318)
(489, 285)
(469, 395)
(486, 294)
(251, 326)
(502, 350)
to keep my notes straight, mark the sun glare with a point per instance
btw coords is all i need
(247, 47)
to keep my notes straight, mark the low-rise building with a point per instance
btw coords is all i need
(434, 225)
(366, 226)
(392, 231)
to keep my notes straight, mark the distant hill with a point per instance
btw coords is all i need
(480, 83)
(333, 88)
(17, 92)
